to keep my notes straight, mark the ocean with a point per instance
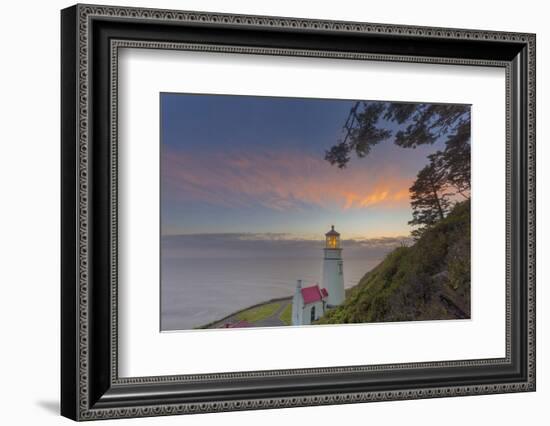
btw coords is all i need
(196, 291)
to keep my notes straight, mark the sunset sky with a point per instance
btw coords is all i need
(255, 165)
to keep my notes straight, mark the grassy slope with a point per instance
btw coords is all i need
(258, 313)
(427, 281)
(286, 315)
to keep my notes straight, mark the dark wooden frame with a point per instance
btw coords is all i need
(90, 386)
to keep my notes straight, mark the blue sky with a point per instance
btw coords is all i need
(242, 164)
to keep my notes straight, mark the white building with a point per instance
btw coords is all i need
(333, 269)
(308, 304)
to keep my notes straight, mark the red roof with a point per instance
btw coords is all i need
(313, 294)
(239, 324)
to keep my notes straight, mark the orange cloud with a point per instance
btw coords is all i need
(279, 181)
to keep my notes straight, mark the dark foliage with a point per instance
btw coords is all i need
(429, 199)
(445, 179)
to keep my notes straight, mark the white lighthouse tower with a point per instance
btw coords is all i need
(333, 268)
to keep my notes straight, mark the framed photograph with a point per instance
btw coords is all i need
(263, 212)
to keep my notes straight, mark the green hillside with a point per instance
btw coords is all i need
(430, 280)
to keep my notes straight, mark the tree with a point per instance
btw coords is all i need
(447, 173)
(429, 195)
(367, 126)
(457, 156)
(362, 133)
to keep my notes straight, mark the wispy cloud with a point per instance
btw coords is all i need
(279, 181)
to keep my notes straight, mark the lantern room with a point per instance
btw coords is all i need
(332, 239)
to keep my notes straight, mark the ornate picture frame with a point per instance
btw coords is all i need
(91, 37)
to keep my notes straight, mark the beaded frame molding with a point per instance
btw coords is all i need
(91, 39)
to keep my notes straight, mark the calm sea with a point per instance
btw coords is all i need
(195, 292)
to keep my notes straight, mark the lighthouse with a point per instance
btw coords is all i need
(333, 268)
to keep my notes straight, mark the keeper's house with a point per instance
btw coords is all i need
(308, 304)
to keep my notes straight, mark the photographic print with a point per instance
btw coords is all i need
(302, 212)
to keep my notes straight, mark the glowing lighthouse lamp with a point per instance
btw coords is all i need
(333, 269)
